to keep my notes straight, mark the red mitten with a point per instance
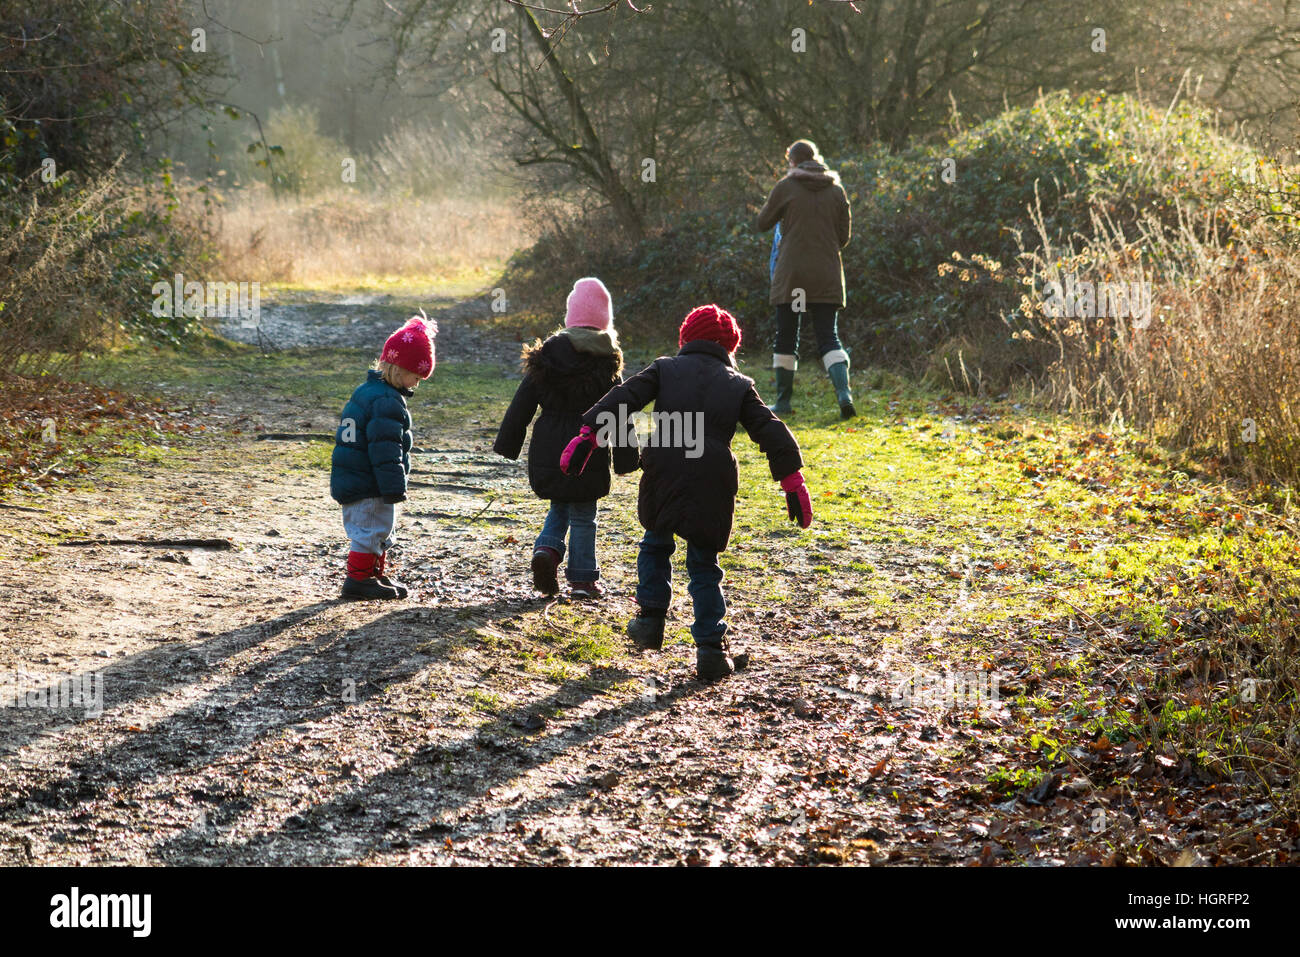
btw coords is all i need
(577, 453)
(797, 501)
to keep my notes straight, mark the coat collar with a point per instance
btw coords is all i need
(374, 375)
(708, 348)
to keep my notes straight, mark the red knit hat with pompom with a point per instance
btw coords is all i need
(712, 323)
(411, 347)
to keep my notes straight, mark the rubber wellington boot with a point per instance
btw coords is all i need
(784, 392)
(839, 374)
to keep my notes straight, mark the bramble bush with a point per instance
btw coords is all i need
(89, 220)
(78, 260)
(1029, 175)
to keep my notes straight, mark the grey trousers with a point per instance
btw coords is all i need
(369, 525)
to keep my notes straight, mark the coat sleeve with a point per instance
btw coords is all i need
(384, 445)
(772, 210)
(635, 394)
(843, 220)
(626, 458)
(774, 439)
(510, 437)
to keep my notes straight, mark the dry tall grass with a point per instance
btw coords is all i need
(1217, 369)
(422, 205)
(341, 236)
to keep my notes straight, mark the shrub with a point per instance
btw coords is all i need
(78, 261)
(1037, 172)
(705, 256)
(1064, 156)
(304, 162)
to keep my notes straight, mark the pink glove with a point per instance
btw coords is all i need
(797, 501)
(578, 451)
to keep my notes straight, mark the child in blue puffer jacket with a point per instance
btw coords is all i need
(372, 456)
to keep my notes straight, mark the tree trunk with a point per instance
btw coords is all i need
(608, 181)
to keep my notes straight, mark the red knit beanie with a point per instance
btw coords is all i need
(712, 323)
(411, 347)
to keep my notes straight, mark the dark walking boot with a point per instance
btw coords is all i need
(714, 662)
(839, 374)
(647, 629)
(361, 583)
(384, 580)
(367, 589)
(784, 392)
(545, 562)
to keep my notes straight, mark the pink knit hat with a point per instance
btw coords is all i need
(589, 305)
(411, 347)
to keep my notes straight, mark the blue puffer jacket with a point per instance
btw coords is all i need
(372, 447)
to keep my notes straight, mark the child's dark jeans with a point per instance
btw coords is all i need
(578, 521)
(654, 587)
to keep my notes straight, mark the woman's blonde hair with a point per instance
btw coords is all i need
(801, 151)
(389, 372)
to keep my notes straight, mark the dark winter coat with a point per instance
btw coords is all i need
(372, 446)
(695, 498)
(813, 210)
(564, 375)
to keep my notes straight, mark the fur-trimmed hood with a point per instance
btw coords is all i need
(576, 360)
(565, 375)
(814, 175)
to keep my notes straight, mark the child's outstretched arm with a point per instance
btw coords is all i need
(634, 395)
(510, 437)
(777, 442)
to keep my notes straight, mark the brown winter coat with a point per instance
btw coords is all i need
(813, 210)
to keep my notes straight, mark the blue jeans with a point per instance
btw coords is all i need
(578, 520)
(654, 588)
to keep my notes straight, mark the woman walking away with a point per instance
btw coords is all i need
(564, 375)
(688, 489)
(811, 210)
(372, 456)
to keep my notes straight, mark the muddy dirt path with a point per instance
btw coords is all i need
(248, 716)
